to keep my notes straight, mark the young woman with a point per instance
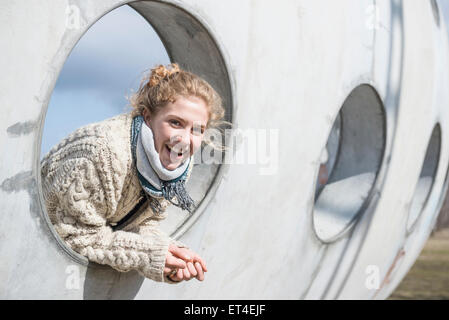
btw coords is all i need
(108, 184)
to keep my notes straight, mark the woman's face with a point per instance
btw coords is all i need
(178, 129)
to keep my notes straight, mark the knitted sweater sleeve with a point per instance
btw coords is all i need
(151, 226)
(80, 219)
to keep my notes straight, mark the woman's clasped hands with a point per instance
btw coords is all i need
(183, 264)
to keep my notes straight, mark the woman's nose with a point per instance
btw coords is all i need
(183, 139)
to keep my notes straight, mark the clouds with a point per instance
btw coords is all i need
(444, 7)
(113, 53)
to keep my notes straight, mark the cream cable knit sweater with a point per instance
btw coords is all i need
(89, 182)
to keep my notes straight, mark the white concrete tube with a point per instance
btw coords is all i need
(293, 67)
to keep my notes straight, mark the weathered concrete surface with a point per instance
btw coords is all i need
(286, 66)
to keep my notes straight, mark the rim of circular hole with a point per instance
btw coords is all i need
(411, 224)
(374, 107)
(435, 12)
(228, 102)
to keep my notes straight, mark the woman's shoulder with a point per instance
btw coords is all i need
(103, 131)
(105, 143)
(94, 136)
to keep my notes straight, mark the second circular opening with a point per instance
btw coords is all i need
(349, 163)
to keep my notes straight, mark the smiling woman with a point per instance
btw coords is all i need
(108, 184)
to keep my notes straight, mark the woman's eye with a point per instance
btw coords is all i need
(175, 122)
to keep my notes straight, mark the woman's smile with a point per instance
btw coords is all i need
(172, 153)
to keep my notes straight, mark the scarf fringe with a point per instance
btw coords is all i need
(177, 190)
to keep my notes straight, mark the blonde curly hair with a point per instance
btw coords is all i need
(164, 83)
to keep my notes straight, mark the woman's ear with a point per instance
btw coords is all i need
(146, 116)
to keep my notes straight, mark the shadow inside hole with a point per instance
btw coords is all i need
(435, 11)
(426, 178)
(105, 283)
(357, 163)
(443, 206)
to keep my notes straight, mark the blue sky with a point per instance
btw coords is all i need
(444, 6)
(106, 64)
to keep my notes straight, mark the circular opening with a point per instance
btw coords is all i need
(182, 39)
(346, 177)
(435, 11)
(426, 178)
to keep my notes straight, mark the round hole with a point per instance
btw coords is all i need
(181, 38)
(426, 178)
(355, 150)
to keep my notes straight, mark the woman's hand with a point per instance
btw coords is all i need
(195, 266)
(173, 263)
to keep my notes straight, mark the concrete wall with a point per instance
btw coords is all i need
(292, 66)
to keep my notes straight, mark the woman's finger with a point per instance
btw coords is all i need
(178, 276)
(186, 274)
(172, 262)
(200, 260)
(192, 269)
(179, 252)
(199, 269)
(167, 271)
(175, 277)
